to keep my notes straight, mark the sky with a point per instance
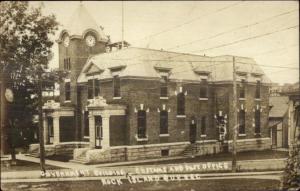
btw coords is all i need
(267, 31)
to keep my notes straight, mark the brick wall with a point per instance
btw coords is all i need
(147, 92)
(117, 130)
(78, 52)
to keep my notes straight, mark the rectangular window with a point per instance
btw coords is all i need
(164, 86)
(90, 89)
(163, 122)
(257, 92)
(68, 91)
(86, 124)
(141, 122)
(257, 121)
(180, 104)
(116, 84)
(96, 87)
(203, 125)
(165, 152)
(203, 88)
(67, 63)
(93, 88)
(242, 122)
(242, 88)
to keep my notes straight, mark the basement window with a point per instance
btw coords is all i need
(165, 152)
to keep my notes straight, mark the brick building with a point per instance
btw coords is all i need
(136, 103)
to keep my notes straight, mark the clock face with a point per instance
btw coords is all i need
(90, 40)
(66, 41)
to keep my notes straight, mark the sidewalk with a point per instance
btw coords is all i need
(34, 176)
(73, 165)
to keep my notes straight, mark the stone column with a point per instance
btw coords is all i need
(92, 131)
(56, 130)
(105, 130)
(45, 126)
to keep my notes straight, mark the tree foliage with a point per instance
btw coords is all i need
(291, 178)
(25, 46)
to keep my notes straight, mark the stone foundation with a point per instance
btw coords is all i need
(251, 144)
(66, 148)
(141, 152)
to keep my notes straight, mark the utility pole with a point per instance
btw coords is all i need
(41, 128)
(122, 24)
(235, 124)
(3, 117)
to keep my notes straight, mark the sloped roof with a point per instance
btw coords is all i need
(81, 22)
(279, 106)
(142, 62)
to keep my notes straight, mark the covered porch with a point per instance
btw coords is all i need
(58, 123)
(101, 116)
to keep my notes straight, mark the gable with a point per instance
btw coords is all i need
(92, 69)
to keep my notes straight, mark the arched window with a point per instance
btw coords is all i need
(180, 104)
(163, 122)
(242, 122)
(257, 121)
(141, 124)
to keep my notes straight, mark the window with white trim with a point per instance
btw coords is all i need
(164, 86)
(141, 124)
(242, 90)
(203, 125)
(86, 124)
(257, 121)
(163, 122)
(93, 88)
(180, 104)
(257, 91)
(203, 88)
(67, 91)
(116, 86)
(242, 122)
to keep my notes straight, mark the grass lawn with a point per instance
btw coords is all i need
(191, 185)
(23, 166)
(248, 155)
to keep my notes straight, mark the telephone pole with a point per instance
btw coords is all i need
(235, 123)
(41, 128)
(122, 24)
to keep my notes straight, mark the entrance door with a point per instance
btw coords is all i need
(274, 137)
(66, 129)
(98, 131)
(193, 131)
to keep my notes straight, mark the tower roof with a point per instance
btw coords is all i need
(82, 22)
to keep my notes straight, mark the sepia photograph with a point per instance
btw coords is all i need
(149, 95)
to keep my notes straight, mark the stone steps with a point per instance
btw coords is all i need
(35, 153)
(190, 151)
(81, 160)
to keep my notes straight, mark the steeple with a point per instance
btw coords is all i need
(81, 23)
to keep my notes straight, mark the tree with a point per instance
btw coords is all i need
(291, 176)
(25, 46)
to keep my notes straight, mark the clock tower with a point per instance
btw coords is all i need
(79, 40)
